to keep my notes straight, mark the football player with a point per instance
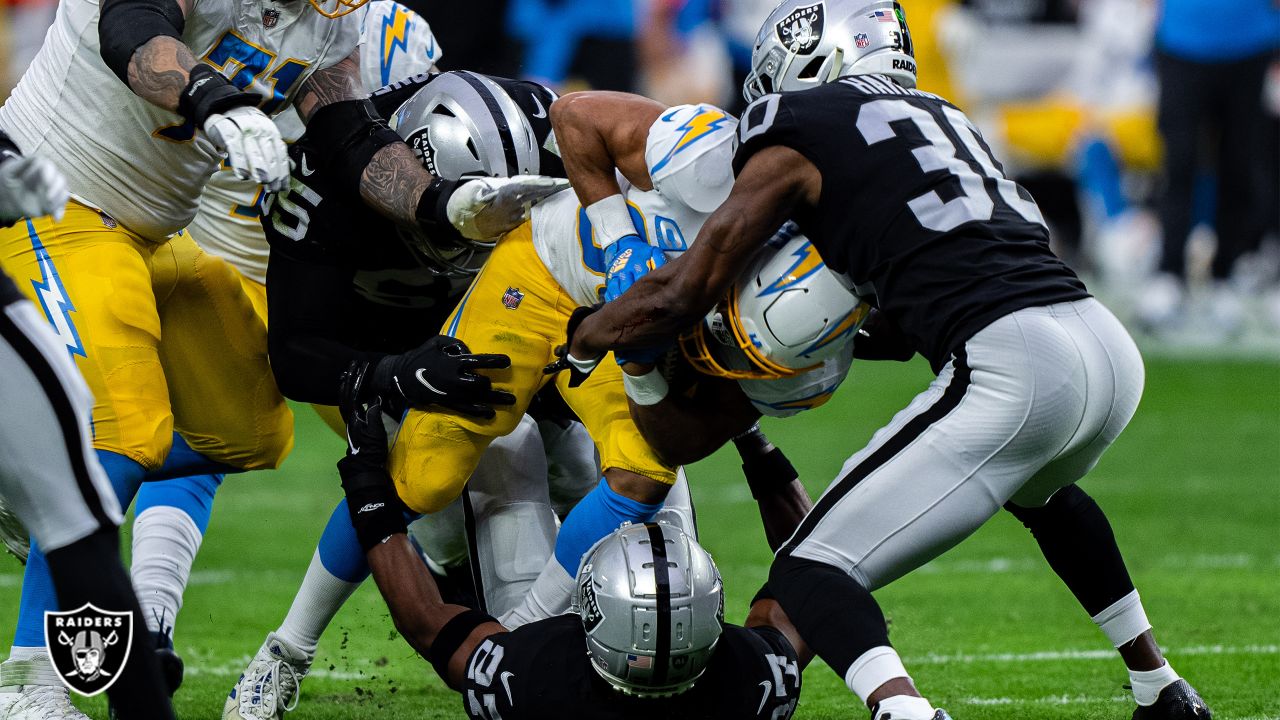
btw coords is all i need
(185, 84)
(48, 471)
(647, 637)
(355, 305)
(173, 515)
(1036, 378)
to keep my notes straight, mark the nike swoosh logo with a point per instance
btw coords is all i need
(306, 169)
(421, 374)
(506, 685)
(542, 112)
(768, 688)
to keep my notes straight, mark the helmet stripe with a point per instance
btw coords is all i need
(499, 118)
(662, 581)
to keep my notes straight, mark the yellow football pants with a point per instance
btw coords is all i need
(167, 336)
(516, 308)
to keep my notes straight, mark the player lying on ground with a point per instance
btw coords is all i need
(1036, 378)
(649, 617)
(354, 309)
(49, 474)
(182, 83)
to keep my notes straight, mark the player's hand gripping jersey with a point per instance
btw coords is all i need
(144, 166)
(967, 245)
(542, 671)
(395, 43)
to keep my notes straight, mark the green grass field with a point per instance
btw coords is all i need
(988, 631)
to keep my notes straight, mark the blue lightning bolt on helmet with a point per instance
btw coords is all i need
(690, 155)
(805, 44)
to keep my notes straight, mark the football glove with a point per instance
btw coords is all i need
(252, 145)
(629, 259)
(30, 187)
(441, 372)
(579, 369)
(372, 502)
(485, 208)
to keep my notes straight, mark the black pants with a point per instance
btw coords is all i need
(1211, 116)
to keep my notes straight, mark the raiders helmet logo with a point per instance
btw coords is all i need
(801, 31)
(420, 141)
(88, 646)
(589, 607)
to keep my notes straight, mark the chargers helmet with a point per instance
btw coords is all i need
(337, 8)
(652, 604)
(805, 44)
(463, 124)
(786, 315)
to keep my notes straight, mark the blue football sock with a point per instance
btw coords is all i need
(182, 461)
(597, 515)
(340, 551)
(37, 585)
(192, 495)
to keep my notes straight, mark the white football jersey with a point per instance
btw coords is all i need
(689, 152)
(136, 162)
(395, 43)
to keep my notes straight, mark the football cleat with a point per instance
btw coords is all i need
(171, 666)
(268, 688)
(1178, 701)
(31, 690)
(13, 534)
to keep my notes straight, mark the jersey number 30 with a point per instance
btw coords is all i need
(975, 202)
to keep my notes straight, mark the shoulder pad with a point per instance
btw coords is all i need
(689, 153)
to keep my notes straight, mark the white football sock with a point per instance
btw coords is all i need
(551, 595)
(165, 542)
(318, 600)
(904, 707)
(1124, 620)
(874, 668)
(19, 653)
(1147, 684)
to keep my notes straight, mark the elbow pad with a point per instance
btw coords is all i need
(126, 25)
(354, 132)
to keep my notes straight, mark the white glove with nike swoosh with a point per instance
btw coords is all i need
(441, 372)
(30, 187)
(486, 208)
(253, 146)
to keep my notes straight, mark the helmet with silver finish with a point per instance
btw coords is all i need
(805, 44)
(786, 315)
(463, 124)
(652, 604)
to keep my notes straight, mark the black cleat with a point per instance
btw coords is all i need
(1178, 701)
(171, 665)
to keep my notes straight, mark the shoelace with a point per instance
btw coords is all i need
(277, 669)
(48, 698)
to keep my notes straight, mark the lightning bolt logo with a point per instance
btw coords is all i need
(53, 297)
(701, 125)
(808, 262)
(838, 331)
(395, 34)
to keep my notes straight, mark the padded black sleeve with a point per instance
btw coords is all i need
(126, 25)
(388, 99)
(352, 132)
(307, 309)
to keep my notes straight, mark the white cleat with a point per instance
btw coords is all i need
(31, 690)
(13, 534)
(268, 688)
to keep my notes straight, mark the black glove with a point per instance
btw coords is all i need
(440, 372)
(375, 507)
(768, 471)
(579, 370)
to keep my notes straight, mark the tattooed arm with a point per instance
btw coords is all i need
(393, 180)
(141, 42)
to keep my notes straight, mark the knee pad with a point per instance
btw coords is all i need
(432, 459)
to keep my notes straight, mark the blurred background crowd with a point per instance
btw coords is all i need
(1148, 130)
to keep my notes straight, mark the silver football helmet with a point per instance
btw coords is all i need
(652, 604)
(805, 44)
(462, 124)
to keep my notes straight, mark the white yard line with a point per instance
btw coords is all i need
(1100, 654)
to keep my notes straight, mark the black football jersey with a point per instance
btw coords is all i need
(316, 221)
(9, 292)
(541, 671)
(915, 212)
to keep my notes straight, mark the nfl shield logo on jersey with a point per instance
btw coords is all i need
(861, 40)
(512, 298)
(801, 31)
(270, 17)
(88, 646)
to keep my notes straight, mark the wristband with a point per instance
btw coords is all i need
(209, 93)
(648, 389)
(768, 474)
(432, 212)
(610, 220)
(452, 635)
